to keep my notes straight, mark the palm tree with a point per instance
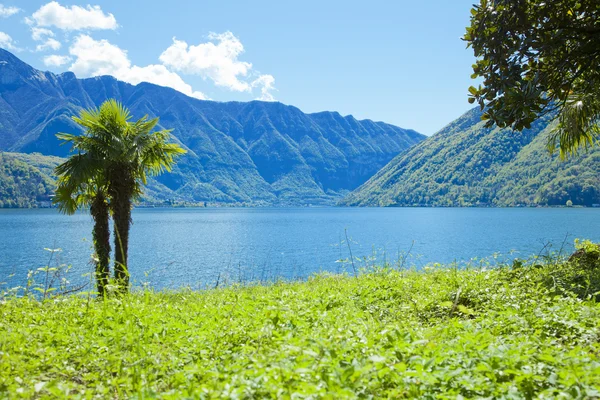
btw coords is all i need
(78, 186)
(125, 154)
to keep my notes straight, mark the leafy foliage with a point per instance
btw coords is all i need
(468, 164)
(528, 331)
(25, 180)
(537, 57)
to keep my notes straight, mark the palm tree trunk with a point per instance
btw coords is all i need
(122, 219)
(101, 236)
(121, 189)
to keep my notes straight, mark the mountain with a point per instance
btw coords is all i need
(26, 179)
(466, 164)
(255, 152)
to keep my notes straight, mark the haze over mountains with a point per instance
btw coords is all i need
(466, 164)
(255, 152)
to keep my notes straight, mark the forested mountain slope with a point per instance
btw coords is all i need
(26, 180)
(466, 164)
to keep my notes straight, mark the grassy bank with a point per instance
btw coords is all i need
(521, 331)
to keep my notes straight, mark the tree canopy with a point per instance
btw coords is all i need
(539, 57)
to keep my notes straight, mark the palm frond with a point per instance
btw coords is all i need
(160, 156)
(114, 114)
(80, 168)
(70, 195)
(577, 125)
(84, 142)
(143, 126)
(65, 198)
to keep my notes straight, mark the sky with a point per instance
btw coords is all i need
(397, 61)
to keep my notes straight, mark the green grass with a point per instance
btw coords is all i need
(520, 331)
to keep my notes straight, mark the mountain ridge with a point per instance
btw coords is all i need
(253, 152)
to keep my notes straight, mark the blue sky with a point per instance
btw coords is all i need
(398, 61)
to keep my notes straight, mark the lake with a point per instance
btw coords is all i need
(198, 247)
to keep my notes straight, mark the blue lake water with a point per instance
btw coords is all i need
(195, 247)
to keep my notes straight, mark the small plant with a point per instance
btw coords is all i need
(43, 283)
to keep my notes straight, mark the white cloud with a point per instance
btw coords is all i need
(100, 57)
(72, 18)
(39, 34)
(55, 60)
(97, 57)
(50, 43)
(46, 36)
(216, 60)
(8, 11)
(7, 42)
(160, 75)
(266, 85)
